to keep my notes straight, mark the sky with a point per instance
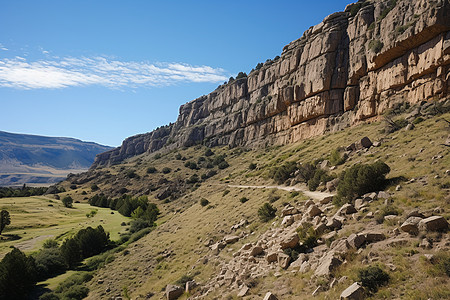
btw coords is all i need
(105, 70)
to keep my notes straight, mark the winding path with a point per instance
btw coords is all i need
(316, 195)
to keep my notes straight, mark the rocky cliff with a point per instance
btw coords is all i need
(350, 68)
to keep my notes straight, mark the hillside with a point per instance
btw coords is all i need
(34, 159)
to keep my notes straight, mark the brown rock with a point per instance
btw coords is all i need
(244, 290)
(287, 211)
(272, 257)
(353, 292)
(173, 292)
(270, 296)
(327, 264)
(434, 223)
(283, 260)
(290, 241)
(346, 209)
(411, 225)
(230, 239)
(257, 250)
(313, 211)
(356, 240)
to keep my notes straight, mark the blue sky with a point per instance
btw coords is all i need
(105, 70)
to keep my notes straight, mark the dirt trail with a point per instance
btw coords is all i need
(29, 245)
(316, 195)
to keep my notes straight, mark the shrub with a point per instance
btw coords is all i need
(226, 192)
(178, 156)
(441, 261)
(151, 170)
(209, 152)
(76, 292)
(266, 212)
(166, 170)
(94, 187)
(319, 176)
(185, 278)
(49, 263)
(243, 199)
(157, 156)
(361, 179)
(252, 166)
(50, 243)
(373, 277)
(281, 173)
(49, 296)
(336, 158)
(132, 174)
(193, 179)
(223, 165)
(307, 235)
(204, 202)
(241, 75)
(67, 201)
(191, 165)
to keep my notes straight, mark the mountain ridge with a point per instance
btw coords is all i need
(350, 68)
(26, 158)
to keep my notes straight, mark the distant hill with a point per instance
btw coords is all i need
(34, 159)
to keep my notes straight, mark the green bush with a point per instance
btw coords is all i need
(94, 187)
(373, 277)
(252, 166)
(243, 199)
(151, 170)
(223, 165)
(336, 158)
(49, 296)
(204, 202)
(319, 176)
(266, 212)
(361, 179)
(282, 173)
(209, 152)
(67, 201)
(76, 292)
(166, 170)
(50, 243)
(192, 179)
(49, 263)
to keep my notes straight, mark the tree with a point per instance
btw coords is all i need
(18, 275)
(67, 201)
(5, 219)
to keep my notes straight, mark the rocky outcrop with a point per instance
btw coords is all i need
(351, 67)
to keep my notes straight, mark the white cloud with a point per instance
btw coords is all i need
(71, 71)
(3, 48)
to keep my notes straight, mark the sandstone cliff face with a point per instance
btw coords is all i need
(351, 67)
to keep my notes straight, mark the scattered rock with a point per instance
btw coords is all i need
(287, 221)
(376, 144)
(434, 223)
(409, 127)
(353, 292)
(327, 264)
(173, 292)
(272, 257)
(244, 290)
(411, 225)
(288, 211)
(270, 296)
(190, 285)
(365, 142)
(291, 241)
(425, 244)
(283, 260)
(313, 211)
(346, 209)
(230, 239)
(383, 195)
(257, 250)
(326, 200)
(373, 236)
(356, 240)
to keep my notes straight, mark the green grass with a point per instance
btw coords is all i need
(35, 221)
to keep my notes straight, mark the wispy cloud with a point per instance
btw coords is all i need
(3, 48)
(70, 71)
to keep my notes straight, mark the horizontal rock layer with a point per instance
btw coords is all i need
(351, 67)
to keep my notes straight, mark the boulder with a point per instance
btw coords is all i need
(334, 223)
(257, 250)
(383, 195)
(326, 200)
(356, 240)
(288, 211)
(283, 260)
(365, 142)
(173, 292)
(313, 211)
(270, 296)
(230, 239)
(190, 285)
(272, 257)
(373, 236)
(290, 241)
(434, 223)
(346, 209)
(244, 290)
(411, 225)
(327, 264)
(309, 203)
(353, 292)
(287, 221)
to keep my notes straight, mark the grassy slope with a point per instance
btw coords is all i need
(185, 225)
(33, 218)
